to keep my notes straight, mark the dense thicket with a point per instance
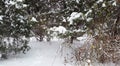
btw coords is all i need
(97, 18)
(52, 13)
(15, 27)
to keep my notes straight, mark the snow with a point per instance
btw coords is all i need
(114, 3)
(59, 29)
(1, 17)
(99, 1)
(103, 5)
(90, 11)
(75, 15)
(88, 60)
(43, 54)
(24, 5)
(19, 0)
(89, 19)
(34, 19)
(77, 1)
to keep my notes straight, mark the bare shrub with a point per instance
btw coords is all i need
(95, 49)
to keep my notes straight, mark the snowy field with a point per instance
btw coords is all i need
(41, 54)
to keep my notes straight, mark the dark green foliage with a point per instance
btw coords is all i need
(52, 13)
(15, 23)
(15, 27)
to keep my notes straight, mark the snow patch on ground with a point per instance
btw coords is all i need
(44, 54)
(41, 54)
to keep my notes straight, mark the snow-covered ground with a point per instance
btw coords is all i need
(41, 54)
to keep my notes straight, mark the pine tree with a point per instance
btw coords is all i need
(47, 12)
(15, 27)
